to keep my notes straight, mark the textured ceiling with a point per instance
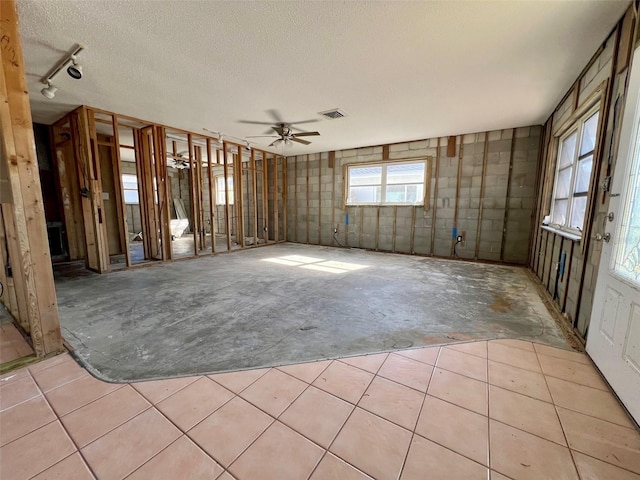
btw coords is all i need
(400, 70)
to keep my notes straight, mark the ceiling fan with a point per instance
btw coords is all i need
(284, 130)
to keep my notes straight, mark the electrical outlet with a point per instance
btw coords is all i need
(459, 239)
(335, 230)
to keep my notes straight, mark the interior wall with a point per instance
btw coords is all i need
(571, 283)
(486, 190)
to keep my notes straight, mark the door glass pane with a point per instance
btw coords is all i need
(583, 174)
(577, 213)
(567, 150)
(589, 132)
(559, 212)
(627, 257)
(365, 176)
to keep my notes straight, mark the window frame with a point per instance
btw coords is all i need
(383, 182)
(125, 189)
(576, 126)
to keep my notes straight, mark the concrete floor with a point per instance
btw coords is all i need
(289, 303)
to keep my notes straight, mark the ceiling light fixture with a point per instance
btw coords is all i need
(49, 91)
(74, 69)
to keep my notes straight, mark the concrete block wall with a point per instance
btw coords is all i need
(491, 206)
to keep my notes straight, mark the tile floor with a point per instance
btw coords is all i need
(497, 410)
(12, 343)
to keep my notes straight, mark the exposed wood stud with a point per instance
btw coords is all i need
(212, 205)
(506, 207)
(254, 192)
(225, 155)
(451, 146)
(485, 157)
(435, 199)
(296, 220)
(385, 152)
(395, 222)
(413, 230)
(307, 197)
(458, 182)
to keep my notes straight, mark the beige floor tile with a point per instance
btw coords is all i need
(230, 430)
(479, 349)
(456, 428)
(463, 363)
(59, 374)
(463, 391)
(593, 469)
(71, 468)
(24, 418)
(78, 393)
(278, 454)
(157, 390)
(181, 459)
(516, 357)
(90, 422)
(588, 400)
(526, 413)
(370, 363)
(13, 375)
(429, 460)
(510, 342)
(195, 402)
(519, 380)
(238, 381)
(406, 371)
(274, 392)
(307, 372)
(498, 476)
(372, 444)
(8, 353)
(17, 390)
(344, 381)
(521, 455)
(572, 372)
(121, 451)
(427, 355)
(332, 468)
(49, 362)
(579, 357)
(35, 452)
(395, 402)
(603, 440)
(317, 415)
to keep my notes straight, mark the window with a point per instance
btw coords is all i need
(386, 184)
(220, 190)
(130, 187)
(573, 175)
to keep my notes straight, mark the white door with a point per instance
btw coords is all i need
(614, 333)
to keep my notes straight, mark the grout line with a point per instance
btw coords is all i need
(64, 428)
(488, 419)
(133, 385)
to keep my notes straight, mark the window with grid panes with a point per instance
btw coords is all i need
(386, 184)
(573, 174)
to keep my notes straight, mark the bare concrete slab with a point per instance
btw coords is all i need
(289, 303)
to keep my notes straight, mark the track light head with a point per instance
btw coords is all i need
(49, 91)
(75, 69)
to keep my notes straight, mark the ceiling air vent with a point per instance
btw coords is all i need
(333, 114)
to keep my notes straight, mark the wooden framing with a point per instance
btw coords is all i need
(485, 157)
(265, 197)
(276, 219)
(28, 245)
(212, 209)
(225, 155)
(506, 209)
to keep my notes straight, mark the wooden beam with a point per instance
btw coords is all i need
(458, 186)
(276, 217)
(485, 157)
(164, 199)
(238, 197)
(285, 188)
(265, 198)
(193, 181)
(435, 199)
(212, 210)
(451, 146)
(120, 203)
(18, 144)
(506, 207)
(225, 163)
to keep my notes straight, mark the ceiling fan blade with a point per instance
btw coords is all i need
(299, 140)
(306, 134)
(263, 136)
(304, 121)
(252, 122)
(274, 142)
(275, 115)
(279, 130)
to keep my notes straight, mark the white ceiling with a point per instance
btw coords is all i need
(400, 70)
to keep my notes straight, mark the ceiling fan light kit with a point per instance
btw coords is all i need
(74, 69)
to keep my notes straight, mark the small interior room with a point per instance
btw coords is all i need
(320, 240)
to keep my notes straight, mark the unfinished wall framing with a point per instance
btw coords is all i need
(135, 192)
(484, 191)
(568, 266)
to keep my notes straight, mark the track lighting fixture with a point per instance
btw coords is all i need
(74, 69)
(49, 91)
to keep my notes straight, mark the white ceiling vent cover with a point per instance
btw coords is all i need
(333, 114)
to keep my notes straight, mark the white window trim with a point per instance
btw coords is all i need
(577, 126)
(383, 184)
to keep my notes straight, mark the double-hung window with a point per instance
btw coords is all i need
(573, 175)
(221, 189)
(130, 187)
(386, 183)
